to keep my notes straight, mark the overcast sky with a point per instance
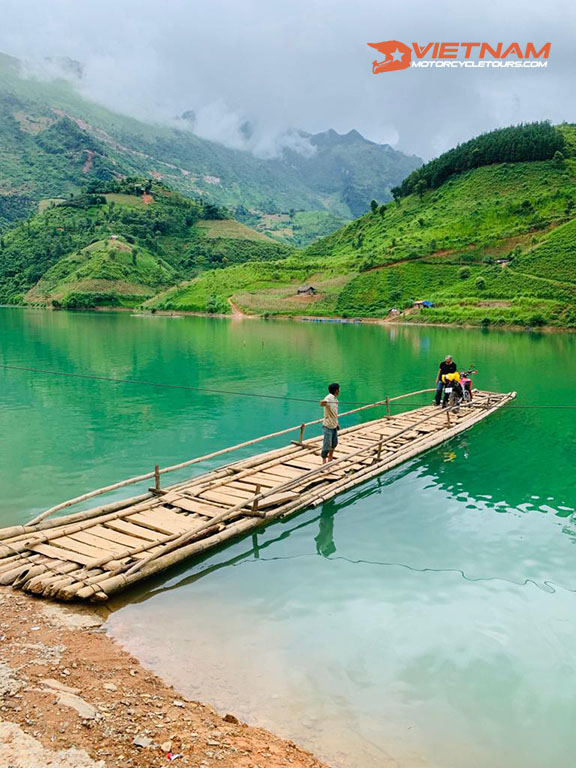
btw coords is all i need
(303, 64)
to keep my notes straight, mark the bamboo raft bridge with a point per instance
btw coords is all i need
(93, 554)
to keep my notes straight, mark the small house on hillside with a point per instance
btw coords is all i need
(307, 290)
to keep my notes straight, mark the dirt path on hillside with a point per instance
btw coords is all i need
(237, 312)
(70, 697)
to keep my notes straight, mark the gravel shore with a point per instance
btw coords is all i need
(70, 697)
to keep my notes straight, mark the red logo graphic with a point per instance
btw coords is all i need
(398, 56)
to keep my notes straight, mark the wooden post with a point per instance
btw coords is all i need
(388, 408)
(380, 448)
(157, 477)
(255, 546)
(302, 428)
(255, 502)
(448, 416)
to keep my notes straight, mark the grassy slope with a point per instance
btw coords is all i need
(225, 228)
(263, 288)
(471, 213)
(109, 271)
(164, 226)
(442, 247)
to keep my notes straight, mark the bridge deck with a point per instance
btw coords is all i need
(91, 555)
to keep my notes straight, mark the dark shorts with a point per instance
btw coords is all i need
(330, 440)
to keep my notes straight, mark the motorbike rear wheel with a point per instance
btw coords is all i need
(454, 401)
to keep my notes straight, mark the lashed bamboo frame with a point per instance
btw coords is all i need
(104, 576)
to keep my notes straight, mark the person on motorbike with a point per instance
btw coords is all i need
(446, 366)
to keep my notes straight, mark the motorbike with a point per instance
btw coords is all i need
(458, 391)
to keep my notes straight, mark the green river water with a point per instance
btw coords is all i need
(426, 619)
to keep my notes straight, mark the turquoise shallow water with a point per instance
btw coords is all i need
(424, 619)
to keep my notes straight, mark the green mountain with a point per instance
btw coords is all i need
(54, 141)
(120, 243)
(487, 242)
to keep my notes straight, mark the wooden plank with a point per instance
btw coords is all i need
(193, 505)
(290, 473)
(58, 553)
(87, 537)
(172, 497)
(240, 493)
(305, 464)
(116, 536)
(156, 521)
(249, 488)
(276, 499)
(223, 498)
(77, 546)
(279, 470)
(134, 530)
(266, 481)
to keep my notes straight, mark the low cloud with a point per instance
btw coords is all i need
(256, 73)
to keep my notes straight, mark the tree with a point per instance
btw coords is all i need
(373, 206)
(480, 283)
(464, 273)
(558, 159)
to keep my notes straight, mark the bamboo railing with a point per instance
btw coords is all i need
(27, 565)
(158, 471)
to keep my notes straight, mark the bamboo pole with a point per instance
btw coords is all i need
(233, 511)
(166, 559)
(206, 457)
(283, 509)
(417, 447)
(22, 531)
(29, 542)
(255, 502)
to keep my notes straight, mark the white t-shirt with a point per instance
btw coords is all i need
(330, 419)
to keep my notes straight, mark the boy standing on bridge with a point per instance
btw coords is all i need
(330, 424)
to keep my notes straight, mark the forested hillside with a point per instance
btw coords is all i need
(54, 141)
(117, 235)
(492, 245)
(519, 143)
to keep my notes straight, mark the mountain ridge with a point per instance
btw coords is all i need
(493, 245)
(55, 141)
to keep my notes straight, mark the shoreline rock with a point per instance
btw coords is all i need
(71, 697)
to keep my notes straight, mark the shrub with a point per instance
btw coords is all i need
(216, 305)
(464, 273)
(537, 320)
(79, 300)
(480, 283)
